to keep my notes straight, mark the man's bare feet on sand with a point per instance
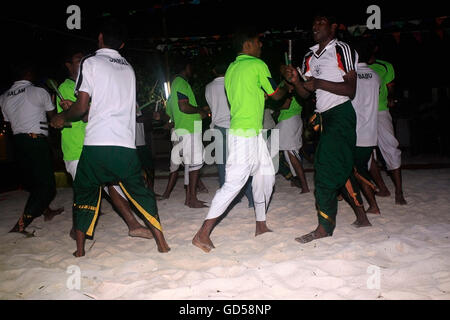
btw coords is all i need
(196, 204)
(261, 227)
(374, 210)
(383, 193)
(205, 244)
(141, 232)
(49, 213)
(313, 235)
(399, 199)
(361, 224)
(77, 254)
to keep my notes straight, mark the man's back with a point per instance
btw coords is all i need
(110, 82)
(246, 80)
(385, 71)
(365, 104)
(24, 106)
(218, 103)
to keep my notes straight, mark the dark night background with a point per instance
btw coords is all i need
(38, 30)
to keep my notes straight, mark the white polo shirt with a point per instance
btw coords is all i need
(140, 130)
(218, 103)
(110, 82)
(335, 60)
(365, 104)
(25, 106)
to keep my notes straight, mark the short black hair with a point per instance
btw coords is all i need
(180, 63)
(22, 67)
(365, 47)
(70, 51)
(114, 33)
(328, 14)
(241, 35)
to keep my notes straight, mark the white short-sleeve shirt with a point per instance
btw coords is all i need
(365, 104)
(335, 60)
(110, 82)
(218, 103)
(25, 106)
(140, 130)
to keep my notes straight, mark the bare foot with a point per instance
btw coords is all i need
(361, 224)
(196, 204)
(77, 254)
(261, 227)
(399, 199)
(306, 190)
(49, 213)
(313, 235)
(383, 193)
(202, 245)
(141, 232)
(163, 197)
(374, 210)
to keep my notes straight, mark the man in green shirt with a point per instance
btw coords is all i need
(387, 142)
(246, 81)
(290, 125)
(183, 109)
(72, 140)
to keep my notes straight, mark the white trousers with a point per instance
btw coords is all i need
(71, 167)
(187, 149)
(387, 142)
(246, 157)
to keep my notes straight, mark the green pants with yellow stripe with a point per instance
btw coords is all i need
(100, 165)
(333, 163)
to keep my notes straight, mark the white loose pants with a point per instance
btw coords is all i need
(247, 156)
(387, 142)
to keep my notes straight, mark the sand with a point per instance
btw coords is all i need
(408, 247)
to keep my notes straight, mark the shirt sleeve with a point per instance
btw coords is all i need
(346, 56)
(85, 80)
(265, 79)
(305, 65)
(390, 75)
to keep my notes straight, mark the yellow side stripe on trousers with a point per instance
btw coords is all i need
(326, 217)
(147, 215)
(91, 227)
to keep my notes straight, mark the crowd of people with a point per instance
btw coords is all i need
(104, 149)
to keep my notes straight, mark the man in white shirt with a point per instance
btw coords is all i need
(366, 108)
(331, 70)
(109, 153)
(220, 120)
(25, 107)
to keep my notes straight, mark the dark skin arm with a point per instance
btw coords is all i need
(346, 88)
(76, 111)
(291, 75)
(186, 107)
(391, 100)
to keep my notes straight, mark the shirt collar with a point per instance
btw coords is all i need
(22, 82)
(108, 51)
(330, 44)
(362, 64)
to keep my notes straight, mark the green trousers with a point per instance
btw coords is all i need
(100, 165)
(334, 162)
(35, 162)
(362, 157)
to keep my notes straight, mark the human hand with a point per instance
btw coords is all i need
(290, 73)
(311, 84)
(57, 121)
(65, 104)
(203, 113)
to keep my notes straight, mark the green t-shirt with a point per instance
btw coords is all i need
(72, 139)
(184, 122)
(385, 71)
(294, 109)
(246, 80)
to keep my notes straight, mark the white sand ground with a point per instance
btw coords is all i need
(409, 244)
